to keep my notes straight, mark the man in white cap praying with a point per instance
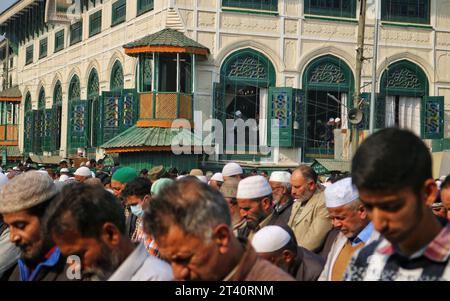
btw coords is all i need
(280, 182)
(82, 174)
(350, 217)
(232, 170)
(279, 246)
(254, 197)
(216, 180)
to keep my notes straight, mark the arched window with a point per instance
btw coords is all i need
(93, 103)
(40, 123)
(116, 77)
(28, 124)
(403, 88)
(57, 113)
(328, 85)
(78, 117)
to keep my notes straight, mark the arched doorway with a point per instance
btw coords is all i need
(403, 88)
(328, 84)
(245, 78)
(78, 117)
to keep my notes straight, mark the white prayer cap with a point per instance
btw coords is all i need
(438, 184)
(270, 239)
(3, 180)
(64, 170)
(280, 176)
(341, 193)
(83, 171)
(331, 120)
(253, 188)
(16, 168)
(238, 113)
(63, 178)
(217, 177)
(337, 120)
(180, 177)
(204, 179)
(232, 169)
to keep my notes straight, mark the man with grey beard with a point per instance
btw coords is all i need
(88, 222)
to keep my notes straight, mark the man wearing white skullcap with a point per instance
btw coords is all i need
(278, 245)
(350, 217)
(216, 180)
(82, 174)
(232, 170)
(280, 181)
(254, 197)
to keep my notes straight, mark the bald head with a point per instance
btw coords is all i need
(303, 183)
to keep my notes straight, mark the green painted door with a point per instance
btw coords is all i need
(78, 124)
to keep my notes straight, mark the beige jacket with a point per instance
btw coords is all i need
(310, 224)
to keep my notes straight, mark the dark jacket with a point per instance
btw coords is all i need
(329, 241)
(281, 215)
(307, 266)
(251, 267)
(58, 272)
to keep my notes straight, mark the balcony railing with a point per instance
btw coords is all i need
(9, 134)
(165, 105)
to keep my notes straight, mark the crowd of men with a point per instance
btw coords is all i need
(386, 220)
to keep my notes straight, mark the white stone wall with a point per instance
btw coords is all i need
(289, 40)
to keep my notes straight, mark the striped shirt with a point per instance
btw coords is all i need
(380, 261)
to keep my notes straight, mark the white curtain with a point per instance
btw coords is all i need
(263, 102)
(409, 113)
(390, 111)
(344, 111)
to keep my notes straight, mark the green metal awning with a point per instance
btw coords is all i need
(166, 40)
(137, 139)
(326, 166)
(11, 94)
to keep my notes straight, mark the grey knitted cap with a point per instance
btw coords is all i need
(26, 191)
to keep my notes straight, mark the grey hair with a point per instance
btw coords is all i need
(189, 204)
(354, 205)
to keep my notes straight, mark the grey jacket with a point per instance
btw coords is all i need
(9, 253)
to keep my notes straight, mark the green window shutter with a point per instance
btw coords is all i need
(43, 48)
(29, 55)
(39, 123)
(269, 5)
(95, 23)
(365, 107)
(48, 139)
(144, 6)
(432, 117)
(299, 118)
(119, 12)
(59, 40)
(99, 120)
(406, 11)
(380, 112)
(129, 109)
(333, 8)
(29, 131)
(280, 110)
(78, 124)
(76, 32)
(110, 115)
(219, 102)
